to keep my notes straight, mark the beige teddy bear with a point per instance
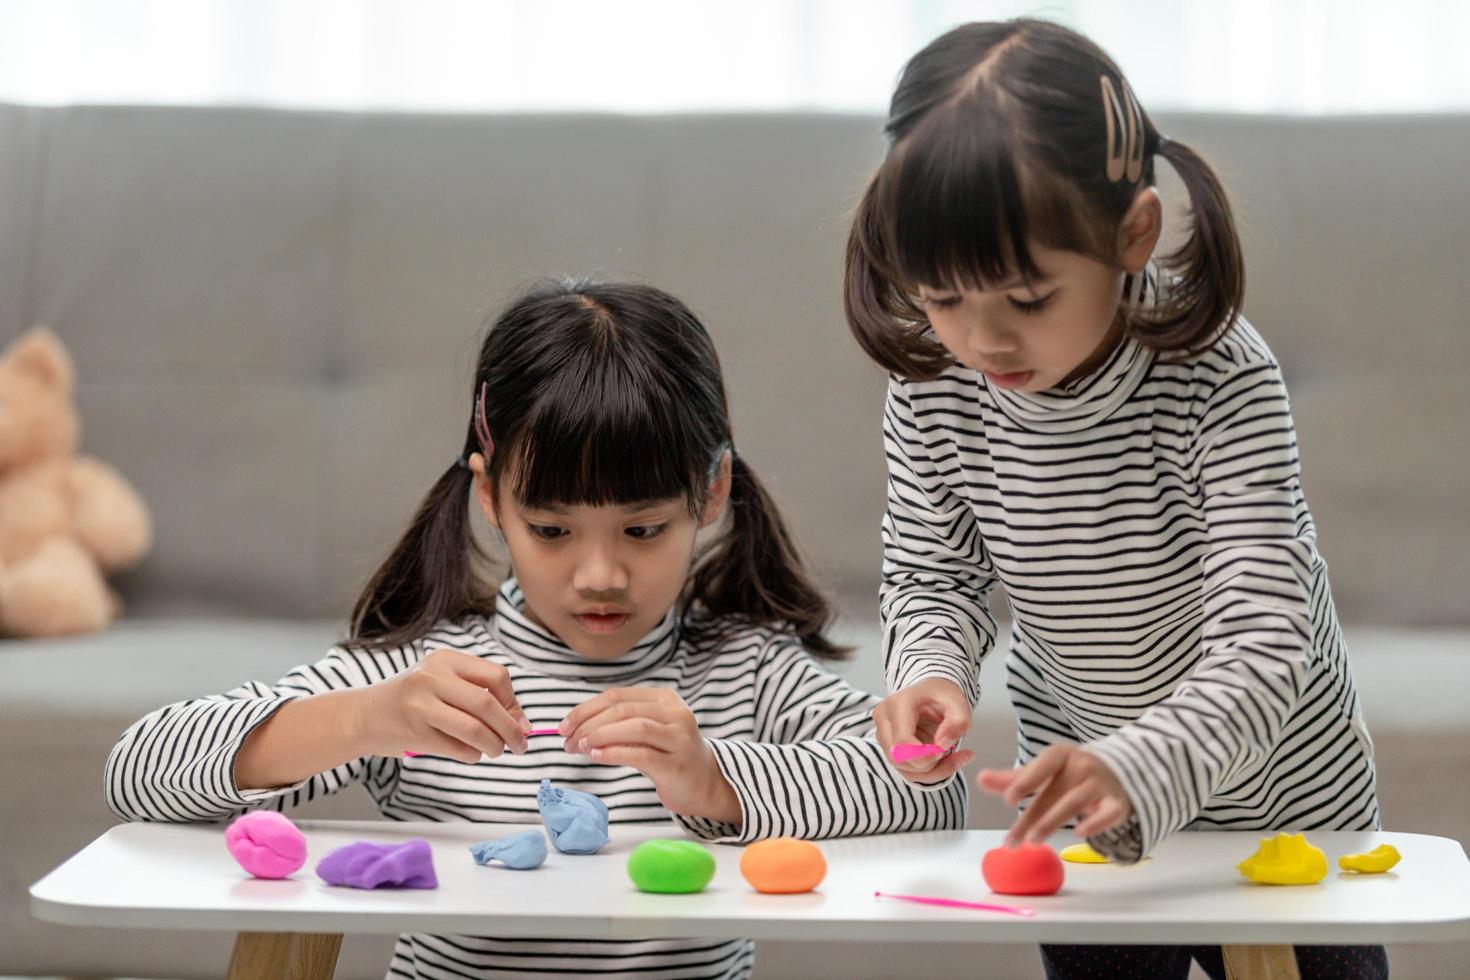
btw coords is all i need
(65, 519)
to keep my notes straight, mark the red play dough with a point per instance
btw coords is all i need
(1031, 869)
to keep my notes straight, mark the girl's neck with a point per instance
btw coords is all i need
(1116, 331)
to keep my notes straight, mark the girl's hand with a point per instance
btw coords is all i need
(931, 712)
(449, 703)
(652, 730)
(1068, 782)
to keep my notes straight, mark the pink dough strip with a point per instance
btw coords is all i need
(908, 751)
(534, 731)
(954, 903)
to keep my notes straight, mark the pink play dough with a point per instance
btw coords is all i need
(266, 844)
(909, 751)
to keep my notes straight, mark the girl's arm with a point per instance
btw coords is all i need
(178, 763)
(937, 574)
(814, 769)
(1260, 577)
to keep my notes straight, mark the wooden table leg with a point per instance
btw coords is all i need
(1260, 962)
(284, 956)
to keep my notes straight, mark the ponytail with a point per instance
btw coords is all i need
(430, 575)
(1207, 287)
(755, 573)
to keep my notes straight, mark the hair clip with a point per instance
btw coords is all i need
(482, 428)
(1125, 132)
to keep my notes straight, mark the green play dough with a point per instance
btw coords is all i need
(671, 867)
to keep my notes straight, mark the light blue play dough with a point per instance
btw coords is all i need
(575, 821)
(522, 851)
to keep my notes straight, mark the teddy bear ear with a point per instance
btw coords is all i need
(40, 353)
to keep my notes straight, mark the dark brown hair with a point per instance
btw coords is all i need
(999, 135)
(572, 369)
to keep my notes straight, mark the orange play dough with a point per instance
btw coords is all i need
(783, 866)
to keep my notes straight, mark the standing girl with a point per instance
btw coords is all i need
(1109, 440)
(598, 444)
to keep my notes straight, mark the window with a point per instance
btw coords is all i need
(1291, 56)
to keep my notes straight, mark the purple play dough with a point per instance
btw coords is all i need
(363, 864)
(266, 844)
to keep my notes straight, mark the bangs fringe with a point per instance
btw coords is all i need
(599, 436)
(961, 208)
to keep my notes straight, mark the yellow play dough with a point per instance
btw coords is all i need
(1286, 859)
(1082, 854)
(1376, 861)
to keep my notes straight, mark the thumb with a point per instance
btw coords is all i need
(954, 726)
(517, 713)
(503, 693)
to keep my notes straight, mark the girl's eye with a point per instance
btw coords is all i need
(941, 302)
(646, 532)
(1030, 306)
(546, 532)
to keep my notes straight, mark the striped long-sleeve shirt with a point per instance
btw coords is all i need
(1170, 609)
(794, 741)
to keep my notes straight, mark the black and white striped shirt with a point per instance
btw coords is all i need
(793, 740)
(1171, 611)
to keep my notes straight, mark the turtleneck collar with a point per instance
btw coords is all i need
(1092, 398)
(540, 650)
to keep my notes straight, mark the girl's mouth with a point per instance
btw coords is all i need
(1015, 380)
(602, 623)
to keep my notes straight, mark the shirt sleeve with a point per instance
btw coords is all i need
(814, 769)
(1259, 575)
(177, 764)
(937, 574)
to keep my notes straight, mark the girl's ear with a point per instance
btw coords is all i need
(483, 496)
(718, 494)
(1139, 231)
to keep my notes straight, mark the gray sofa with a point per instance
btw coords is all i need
(274, 314)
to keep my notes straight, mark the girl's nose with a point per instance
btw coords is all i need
(600, 570)
(988, 340)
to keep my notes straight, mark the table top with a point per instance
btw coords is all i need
(182, 877)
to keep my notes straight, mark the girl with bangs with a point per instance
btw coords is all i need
(680, 674)
(1103, 434)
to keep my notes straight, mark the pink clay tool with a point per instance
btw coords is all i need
(534, 731)
(908, 751)
(954, 903)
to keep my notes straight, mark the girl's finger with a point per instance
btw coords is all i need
(883, 731)
(1045, 797)
(435, 742)
(1066, 808)
(903, 718)
(493, 678)
(995, 781)
(907, 724)
(594, 706)
(587, 709)
(1104, 817)
(947, 767)
(460, 736)
(613, 713)
(647, 732)
(645, 760)
(481, 709)
(1034, 775)
(955, 724)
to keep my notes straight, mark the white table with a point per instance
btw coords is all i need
(155, 876)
